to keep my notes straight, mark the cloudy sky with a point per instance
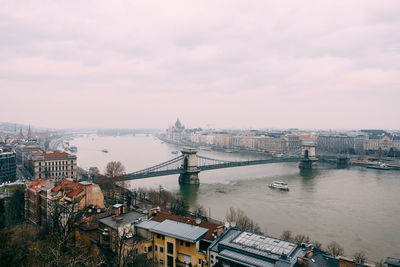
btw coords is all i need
(133, 64)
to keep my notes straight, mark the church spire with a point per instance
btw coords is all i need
(29, 131)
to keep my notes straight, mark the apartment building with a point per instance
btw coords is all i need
(7, 167)
(53, 165)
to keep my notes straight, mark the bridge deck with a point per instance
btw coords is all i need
(180, 170)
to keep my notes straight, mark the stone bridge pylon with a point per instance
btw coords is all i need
(190, 167)
(308, 155)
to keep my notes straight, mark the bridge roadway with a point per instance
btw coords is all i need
(180, 170)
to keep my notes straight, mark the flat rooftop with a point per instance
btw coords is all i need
(178, 230)
(129, 217)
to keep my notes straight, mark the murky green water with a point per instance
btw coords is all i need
(357, 207)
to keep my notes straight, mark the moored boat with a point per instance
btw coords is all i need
(279, 185)
(381, 166)
(105, 151)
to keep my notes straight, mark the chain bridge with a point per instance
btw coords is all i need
(189, 165)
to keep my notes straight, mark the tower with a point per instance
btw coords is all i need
(29, 132)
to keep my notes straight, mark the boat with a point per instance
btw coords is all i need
(105, 151)
(279, 185)
(380, 166)
(175, 152)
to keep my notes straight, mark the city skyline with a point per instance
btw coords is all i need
(324, 65)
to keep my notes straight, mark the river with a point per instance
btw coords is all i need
(356, 207)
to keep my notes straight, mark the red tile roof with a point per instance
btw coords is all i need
(35, 185)
(69, 187)
(307, 137)
(212, 227)
(52, 154)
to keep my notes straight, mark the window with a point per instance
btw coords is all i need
(170, 261)
(40, 175)
(161, 249)
(158, 236)
(200, 262)
(187, 244)
(72, 173)
(170, 248)
(163, 237)
(45, 163)
(181, 242)
(150, 249)
(155, 248)
(40, 164)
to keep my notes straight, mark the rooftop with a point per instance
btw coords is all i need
(70, 188)
(129, 217)
(212, 227)
(251, 249)
(56, 154)
(392, 261)
(38, 185)
(178, 230)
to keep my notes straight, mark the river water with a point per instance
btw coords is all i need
(357, 207)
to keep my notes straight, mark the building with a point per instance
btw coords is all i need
(8, 167)
(37, 201)
(41, 194)
(239, 248)
(318, 258)
(335, 144)
(24, 152)
(293, 142)
(392, 262)
(174, 243)
(82, 194)
(167, 239)
(53, 165)
(116, 232)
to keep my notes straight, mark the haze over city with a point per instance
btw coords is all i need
(324, 64)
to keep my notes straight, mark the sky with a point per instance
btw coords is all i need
(220, 64)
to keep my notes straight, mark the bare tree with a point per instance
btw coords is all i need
(114, 169)
(112, 183)
(334, 249)
(317, 244)
(242, 221)
(200, 212)
(360, 257)
(62, 220)
(380, 264)
(287, 235)
(179, 206)
(302, 239)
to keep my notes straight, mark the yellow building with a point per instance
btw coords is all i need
(173, 243)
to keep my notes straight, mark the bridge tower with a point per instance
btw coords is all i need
(189, 164)
(308, 155)
(342, 161)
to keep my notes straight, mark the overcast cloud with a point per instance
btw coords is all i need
(133, 64)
